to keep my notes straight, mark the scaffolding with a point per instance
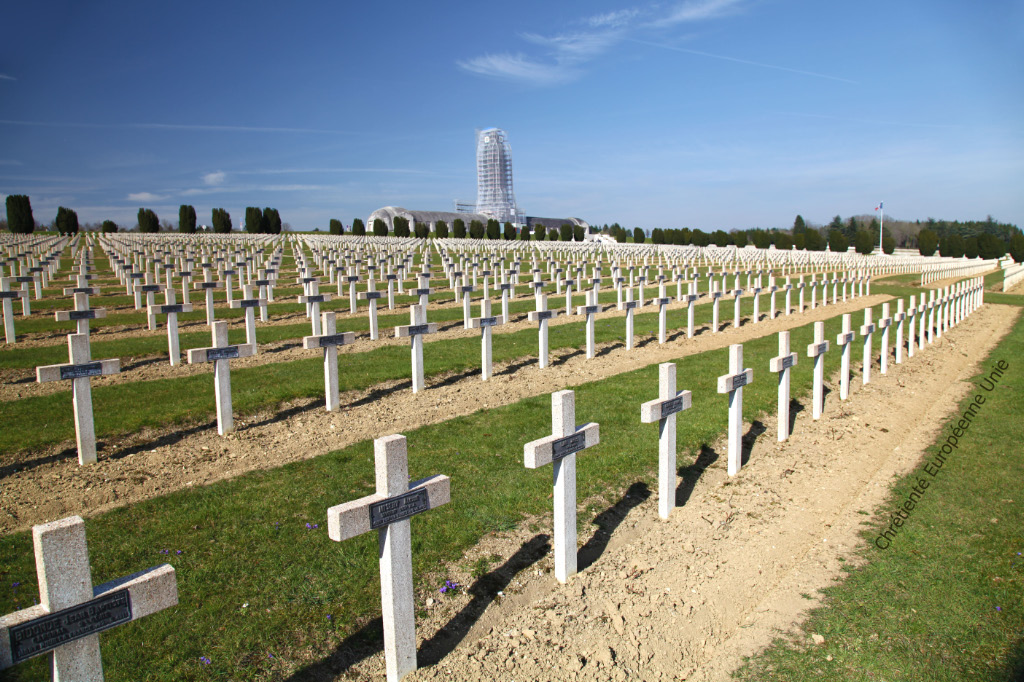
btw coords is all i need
(494, 195)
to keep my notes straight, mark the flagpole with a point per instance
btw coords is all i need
(881, 227)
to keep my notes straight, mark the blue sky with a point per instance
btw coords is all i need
(706, 113)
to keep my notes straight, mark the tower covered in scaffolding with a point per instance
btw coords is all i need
(494, 195)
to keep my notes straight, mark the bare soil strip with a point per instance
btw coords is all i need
(47, 484)
(689, 597)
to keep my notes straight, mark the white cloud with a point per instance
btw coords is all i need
(5, 77)
(214, 178)
(615, 19)
(144, 196)
(575, 47)
(518, 67)
(698, 10)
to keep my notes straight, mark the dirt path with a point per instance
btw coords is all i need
(687, 598)
(47, 484)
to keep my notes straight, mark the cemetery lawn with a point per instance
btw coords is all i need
(943, 602)
(263, 592)
(39, 421)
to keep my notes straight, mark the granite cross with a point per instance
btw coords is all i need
(417, 327)
(817, 351)
(866, 330)
(72, 612)
(898, 319)
(663, 410)
(590, 310)
(220, 354)
(79, 370)
(559, 449)
(884, 324)
(329, 342)
(782, 364)
(484, 324)
(171, 310)
(733, 383)
(249, 304)
(541, 316)
(7, 296)
(845, 340)
(388, 511)
(629, 305)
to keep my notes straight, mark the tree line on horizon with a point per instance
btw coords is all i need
(21, 221)
(459, 230)
(986, 239)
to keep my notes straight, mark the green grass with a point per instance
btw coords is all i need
(125, 408)
(943, 601)
(245, 541)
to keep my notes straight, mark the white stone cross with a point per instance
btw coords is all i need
(417, 327)
(690, 299)
(559, 449)
(79, 369)
(171, 310)
(845, 339)
(662, 302)
(72, 612)
(900, 316)
(757, 298)
(912, 326)
(150, 290)
(220, 354)
(884, 325)
(866, 330)
(782, 364)
(313, 301)
(82, 313)
(484, 324)
(466, 290)
(629, 305)
(663, 410)
(371, 295)
(733, 383)
(590, 310)
(737, 292)
(249, 304)
(541, 315)
(207, 287)
(388, 511)
(817, 351)
(329, 342)
(7, 297)
(716, 296)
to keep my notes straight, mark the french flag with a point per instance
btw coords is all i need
(879, 207)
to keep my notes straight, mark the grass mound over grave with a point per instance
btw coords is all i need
(265, 594)
(942, 602)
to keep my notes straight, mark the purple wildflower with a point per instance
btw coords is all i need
(204, 660)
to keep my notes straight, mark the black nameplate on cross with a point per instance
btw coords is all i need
(563, 447)
(398, 508)
(48, 632)
(670, 407)
(419, 329)
(81, 314)
(545, 314)
(91, 369)
(225, 353)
